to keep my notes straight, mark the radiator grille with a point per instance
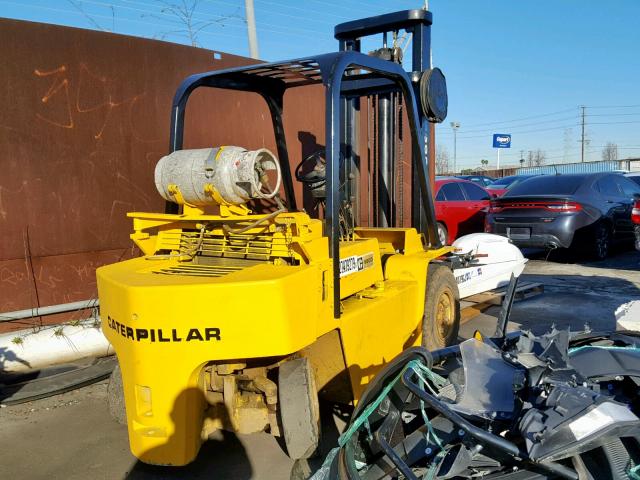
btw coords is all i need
(195, 270)
(253, 247)
(216, 255)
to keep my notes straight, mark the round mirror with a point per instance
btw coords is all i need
(433, 95)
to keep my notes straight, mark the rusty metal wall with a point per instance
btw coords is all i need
(84, 119)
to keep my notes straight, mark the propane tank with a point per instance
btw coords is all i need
(216, 176)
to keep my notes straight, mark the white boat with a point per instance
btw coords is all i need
(487, 263)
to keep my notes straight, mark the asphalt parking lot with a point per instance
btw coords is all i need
(72, 436)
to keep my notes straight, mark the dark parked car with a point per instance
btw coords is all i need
(501, 185)
(585, 211)
(481, 180)
(635, 219)
(635, 177)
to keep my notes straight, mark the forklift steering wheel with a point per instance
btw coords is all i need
(317, 174)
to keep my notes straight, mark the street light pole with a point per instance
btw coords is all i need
(251, 28)
(455, 126)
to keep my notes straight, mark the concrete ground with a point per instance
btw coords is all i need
(72, 436)
(575, 295)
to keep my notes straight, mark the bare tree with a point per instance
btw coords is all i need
(536, 158)
(442, 161)
(187, 21)
(610, 151)
(78, 6)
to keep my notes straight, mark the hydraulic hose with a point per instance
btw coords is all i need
(260, 221)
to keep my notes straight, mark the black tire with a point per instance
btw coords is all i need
(443, 233)
(115, 396)
(441, 317)
(601, 239)
(299, 408)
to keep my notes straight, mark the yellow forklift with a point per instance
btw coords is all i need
(243, 309)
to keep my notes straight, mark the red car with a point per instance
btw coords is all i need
(460, 208)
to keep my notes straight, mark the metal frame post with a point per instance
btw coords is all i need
(350, 138)
(418, 24)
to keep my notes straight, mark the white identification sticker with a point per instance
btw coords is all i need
(466, 276)
(355, 263)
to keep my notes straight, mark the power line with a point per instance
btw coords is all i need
(65, 11)
(506, 123)
(161, 13)
(286, 27)
(155, 5)
(124, 19)
(622, 147)
(560, 127)
(614, 123)
(297, 17)
(612, 114)
(338, 5)
(206, 17)
(80, 9)
(613, 106)
(305, 10)
(142, 22)
(523, 125)
(523, 118)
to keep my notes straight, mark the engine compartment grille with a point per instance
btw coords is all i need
(252, 247)
(206, 254)
(195, 270)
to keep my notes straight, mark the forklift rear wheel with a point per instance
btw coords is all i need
(299, 408)
(115, 396)
(441, 318)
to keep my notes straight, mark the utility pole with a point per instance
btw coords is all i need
(521, 158)
(455, 126)
(251, 28)
(582, 138)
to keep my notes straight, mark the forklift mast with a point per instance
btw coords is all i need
(417, 25)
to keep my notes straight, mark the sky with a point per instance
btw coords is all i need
(518, 67)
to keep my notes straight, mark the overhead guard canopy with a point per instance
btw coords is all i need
(271, 80)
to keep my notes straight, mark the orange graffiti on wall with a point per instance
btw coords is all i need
(63, 88)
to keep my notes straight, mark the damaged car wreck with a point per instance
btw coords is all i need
(518, 407)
